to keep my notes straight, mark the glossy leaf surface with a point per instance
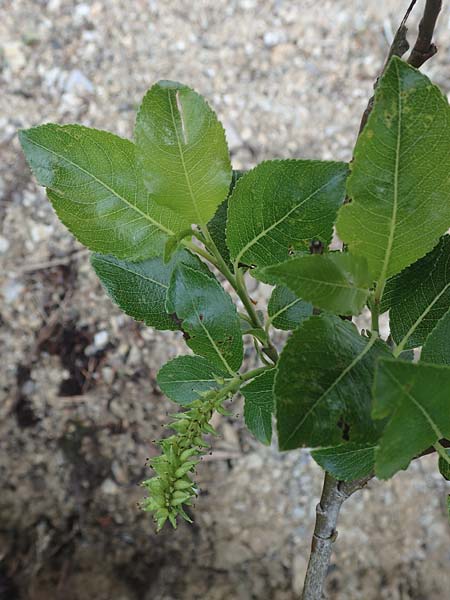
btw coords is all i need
(183, 151)
(97, 190)
(337, 282)
(280, 206)
(399, 184)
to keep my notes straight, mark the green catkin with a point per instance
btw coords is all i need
(171, 489)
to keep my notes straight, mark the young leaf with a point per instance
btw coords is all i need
(140, 289)
(259, 406)
(286, 310)
(437, 346)
(183, 151)
(217, 225)
(185, 377)
(323, 385)
(416, 399)
(346, 462)
(399, 181)
(97, 190)
(419, 296)
(208, 317)
(337, 282)
(280, 206)
(173, 243)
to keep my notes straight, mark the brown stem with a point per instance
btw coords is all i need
(424, 47)
(399, 47)
(334, 494)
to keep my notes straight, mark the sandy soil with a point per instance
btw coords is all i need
(79, 403)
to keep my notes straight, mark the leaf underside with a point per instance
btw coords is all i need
(207, 317)
(185, 377)
(140, 289)
(259, 406)
(218, 224)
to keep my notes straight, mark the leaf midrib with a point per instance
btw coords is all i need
(134, 273)
(419, 320)
(345, 372)
(393, 224)
(200, 221)
(284, 309)
(202, 325)
(279, 221)
(105, 185)
(347, 286)
(435, 428)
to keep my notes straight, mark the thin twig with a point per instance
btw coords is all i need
(334, 494)
(424, 47)
(399, 47)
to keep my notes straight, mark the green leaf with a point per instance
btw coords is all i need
(444, 466)
(280, 206)
(97, 190)
(399, 184)
(183, 151)
(140, 289)
(173, 243)
(337, 282)
(286, 310)
(257, 332)
(217, 225)
(415, 399)
(259, 406)
(419, 297)
(208, 317)
(184, 378)
(347, 462)
(437, 346)
(323, 385)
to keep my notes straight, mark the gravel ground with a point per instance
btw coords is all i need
(79, 403)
